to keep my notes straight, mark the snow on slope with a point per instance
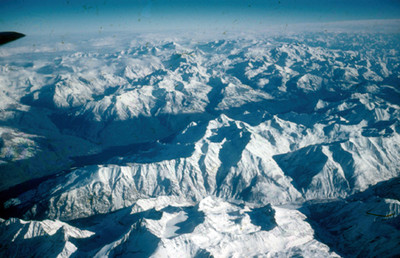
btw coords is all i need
(22, 238)
(204, 148)
(221, 229)
(231, 160)
(366, 224)
(161, 228)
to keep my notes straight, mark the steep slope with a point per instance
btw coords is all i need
(162, 227)
(23, 238)
(228, 159)
(366, 224)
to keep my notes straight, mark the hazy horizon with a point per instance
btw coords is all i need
(70, 16)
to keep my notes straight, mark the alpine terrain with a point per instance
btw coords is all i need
(158, 146)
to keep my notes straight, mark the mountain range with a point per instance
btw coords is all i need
(142, 146)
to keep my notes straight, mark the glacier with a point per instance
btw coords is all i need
(153, 145)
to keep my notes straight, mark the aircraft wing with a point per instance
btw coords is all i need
(8, 36)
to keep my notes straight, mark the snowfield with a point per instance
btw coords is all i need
(139, 146)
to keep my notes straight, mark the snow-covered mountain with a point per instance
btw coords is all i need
(150, 146)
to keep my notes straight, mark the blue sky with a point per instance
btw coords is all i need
(67, 16)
